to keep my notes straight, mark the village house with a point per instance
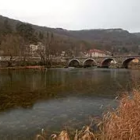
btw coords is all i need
(34, 49)
(63, 53)
(97, 53)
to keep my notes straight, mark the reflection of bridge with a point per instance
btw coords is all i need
(118, 61)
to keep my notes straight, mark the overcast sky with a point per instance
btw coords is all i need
(75, 14)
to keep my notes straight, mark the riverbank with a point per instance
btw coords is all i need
(44, 67)
(23, 67)
(62, 65)
(120, 124)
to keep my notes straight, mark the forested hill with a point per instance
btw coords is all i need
(137, 34)
(106, 39)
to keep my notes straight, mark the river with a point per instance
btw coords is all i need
(57, 99)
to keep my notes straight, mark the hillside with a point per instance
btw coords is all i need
(107, 39)
(137, 34)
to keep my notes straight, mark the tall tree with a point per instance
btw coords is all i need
(28, 35)
(40, 36)
(48, 43)
(46, 54)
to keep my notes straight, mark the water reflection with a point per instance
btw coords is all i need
(57, 98)
(24, 88)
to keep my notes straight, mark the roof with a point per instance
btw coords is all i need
(98, 51)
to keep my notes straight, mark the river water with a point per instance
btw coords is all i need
(57, 99)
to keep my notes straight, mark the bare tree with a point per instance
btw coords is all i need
(41, 52)
(45, 53)
(10, 46)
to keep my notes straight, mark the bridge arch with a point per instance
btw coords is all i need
(74, 63)
(126, 62)
(89, 62)
(106, 62)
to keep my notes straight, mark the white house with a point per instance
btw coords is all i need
(35, 48)
(97, 53)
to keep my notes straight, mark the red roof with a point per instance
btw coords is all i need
(95, 50)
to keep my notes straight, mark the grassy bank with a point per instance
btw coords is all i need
(22, 67)
(120, 124)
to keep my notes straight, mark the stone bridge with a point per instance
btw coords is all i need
(105, 62)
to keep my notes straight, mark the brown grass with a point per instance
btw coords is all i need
(123, 123)
(120, 124)
(84, 134)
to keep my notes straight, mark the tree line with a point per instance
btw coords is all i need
(16, 42)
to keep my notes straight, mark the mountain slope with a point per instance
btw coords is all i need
(99, 37)
(137, 34)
